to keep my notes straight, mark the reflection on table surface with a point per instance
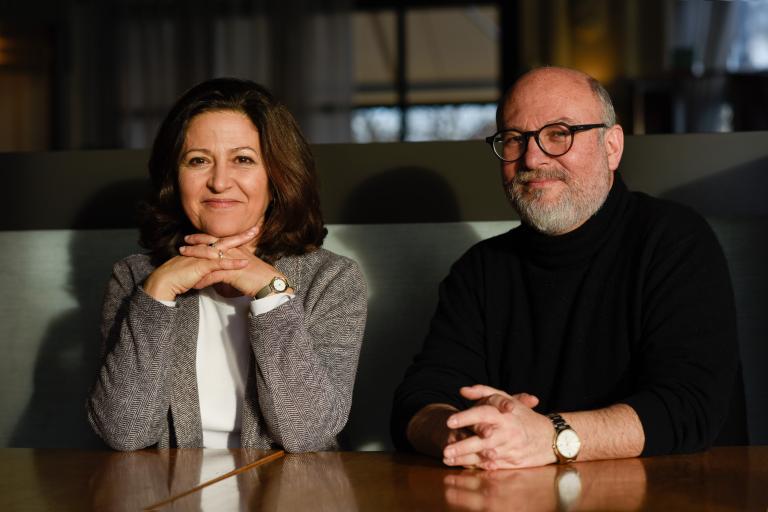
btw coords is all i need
(734, 478)
(35, 479)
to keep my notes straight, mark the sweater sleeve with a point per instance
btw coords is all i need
(128, 404)
(688, 352)
(454, 352)
(306, 354)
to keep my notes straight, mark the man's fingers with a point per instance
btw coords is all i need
(464, 447)
(469, 460)
(473, 416)
(502, 403)
(528, 400)
(509, 404)
(479, 391)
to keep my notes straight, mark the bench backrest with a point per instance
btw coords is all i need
(404, 211)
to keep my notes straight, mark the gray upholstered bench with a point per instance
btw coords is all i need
(404, 211)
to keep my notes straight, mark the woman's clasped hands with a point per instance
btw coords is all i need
(208, 260)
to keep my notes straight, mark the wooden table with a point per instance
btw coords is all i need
(734, 478)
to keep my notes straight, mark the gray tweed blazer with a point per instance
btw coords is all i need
(304, 361)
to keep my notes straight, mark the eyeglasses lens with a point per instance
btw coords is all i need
(509, 145)
(555, 139)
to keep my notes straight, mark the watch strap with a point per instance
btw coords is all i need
(559, 423)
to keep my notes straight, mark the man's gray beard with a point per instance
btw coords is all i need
(579, 200)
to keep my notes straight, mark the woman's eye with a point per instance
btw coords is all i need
(242, 159)
(196, 160)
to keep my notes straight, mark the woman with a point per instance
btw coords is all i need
(236, 329)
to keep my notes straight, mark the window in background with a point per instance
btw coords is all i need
(750, 49)
(425, 74)
(25, 62)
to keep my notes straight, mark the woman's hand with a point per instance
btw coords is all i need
(248, 279)
(181, 273)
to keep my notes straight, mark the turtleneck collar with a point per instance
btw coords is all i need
(573, 247)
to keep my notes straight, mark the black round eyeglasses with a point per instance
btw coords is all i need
(553, 139)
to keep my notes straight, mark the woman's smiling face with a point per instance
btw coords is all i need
(222, 176)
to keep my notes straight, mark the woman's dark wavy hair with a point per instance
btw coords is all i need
(293, 223)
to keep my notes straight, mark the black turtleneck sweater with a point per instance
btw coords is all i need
(634, 307)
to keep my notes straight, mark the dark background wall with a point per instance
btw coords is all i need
(100, 75)
(718, 174)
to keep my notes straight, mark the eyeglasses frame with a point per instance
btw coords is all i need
(573, 129)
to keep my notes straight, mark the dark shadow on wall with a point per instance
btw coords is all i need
(734, 203)
(739, 191)
(68, 355)
(405, 249)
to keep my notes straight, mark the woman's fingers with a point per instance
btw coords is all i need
(220, 273)
(205, 252)
(214, 277)
(224, 243)
(198, 269)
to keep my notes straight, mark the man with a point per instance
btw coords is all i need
(602, 327)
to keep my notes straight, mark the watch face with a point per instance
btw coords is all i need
(568, 443)
(279, 284)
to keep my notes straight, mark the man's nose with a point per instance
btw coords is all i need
(534, 157)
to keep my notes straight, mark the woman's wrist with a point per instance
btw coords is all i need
(276, 282)
(154, 288)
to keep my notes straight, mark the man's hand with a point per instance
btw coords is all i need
(508, 433)
(502, 431)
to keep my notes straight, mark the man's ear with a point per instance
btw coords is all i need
(614, 145)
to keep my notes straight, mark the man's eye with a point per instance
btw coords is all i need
(558, 134)
(512, 139)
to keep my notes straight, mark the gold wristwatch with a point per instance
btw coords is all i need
(277, 284)
(566, 443)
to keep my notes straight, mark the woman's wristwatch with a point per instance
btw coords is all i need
(277, 284)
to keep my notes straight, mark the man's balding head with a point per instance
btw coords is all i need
(541, 78)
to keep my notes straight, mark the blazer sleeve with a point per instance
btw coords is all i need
(306, 354)
(128, 404)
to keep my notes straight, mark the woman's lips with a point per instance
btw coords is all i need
(220, 203)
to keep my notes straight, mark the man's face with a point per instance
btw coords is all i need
(556, 195)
